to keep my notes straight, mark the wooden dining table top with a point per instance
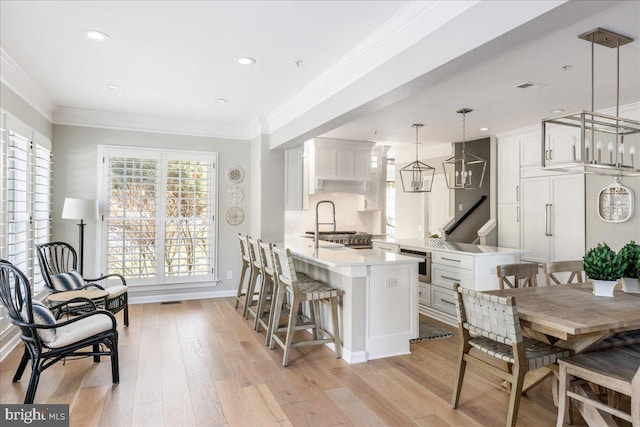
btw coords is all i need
(571, 312)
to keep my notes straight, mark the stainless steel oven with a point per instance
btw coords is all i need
(424, 267)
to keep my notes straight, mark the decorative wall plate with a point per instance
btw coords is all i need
(235, 174)
(235, 216)
(234, 195)
(615, 203)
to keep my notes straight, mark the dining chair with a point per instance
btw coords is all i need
(310, 292)
(48, 340)
(491, 325)
(575, 268)
(241, 294)
(58, 265)
(522, 275)
(616, 369)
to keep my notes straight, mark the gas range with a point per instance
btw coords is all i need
(351, 239)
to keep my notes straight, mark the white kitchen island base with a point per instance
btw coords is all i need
(379, 311)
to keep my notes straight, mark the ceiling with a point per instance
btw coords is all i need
(173, 59)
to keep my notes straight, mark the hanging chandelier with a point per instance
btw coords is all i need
(417, 177)
(464, 170)
(590, 142)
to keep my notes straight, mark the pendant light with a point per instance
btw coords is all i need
(464, 170)
(590, 142)
(417, 177)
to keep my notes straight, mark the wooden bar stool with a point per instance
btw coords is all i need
(255, 279)
(265, 297)
(523, 275)
(241, 295)
(310, 292)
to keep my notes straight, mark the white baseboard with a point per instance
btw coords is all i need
(144, 299)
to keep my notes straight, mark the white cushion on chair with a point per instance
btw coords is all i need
(67, 281)
(81, 329)
(115, 291)
(42, 316)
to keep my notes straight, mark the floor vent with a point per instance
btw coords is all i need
(171, 302)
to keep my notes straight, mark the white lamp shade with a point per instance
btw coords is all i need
(80, 209)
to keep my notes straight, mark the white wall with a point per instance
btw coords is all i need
(75, 175)
(15, 105)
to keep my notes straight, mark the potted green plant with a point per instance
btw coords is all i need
(603, 266)
(630, 254)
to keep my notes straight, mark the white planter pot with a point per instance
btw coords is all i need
(630, 285)
(603, 288)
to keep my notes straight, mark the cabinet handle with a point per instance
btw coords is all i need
(450, 259)
(547, 220)
(550, 154)
(447, 302)
(449, 278)
(517, 193)
(550, 216)
(517, 213)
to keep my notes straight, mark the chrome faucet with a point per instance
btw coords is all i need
(315, 235)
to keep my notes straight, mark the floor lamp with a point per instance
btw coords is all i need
(80, 209)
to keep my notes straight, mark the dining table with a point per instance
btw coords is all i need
(572, 317)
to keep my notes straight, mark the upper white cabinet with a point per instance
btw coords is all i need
(339, 165)
(508, 170)
(561, 145)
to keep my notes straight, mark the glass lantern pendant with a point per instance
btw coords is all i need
(417, 177)
(464, 170)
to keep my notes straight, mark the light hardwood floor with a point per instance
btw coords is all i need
(199, 363)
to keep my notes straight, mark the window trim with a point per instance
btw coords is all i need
(161, 282)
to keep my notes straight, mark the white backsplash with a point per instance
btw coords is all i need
(347, 215)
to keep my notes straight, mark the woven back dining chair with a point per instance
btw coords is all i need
(491, 325)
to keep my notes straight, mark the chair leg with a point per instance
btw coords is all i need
(563, 401)
(96, 357)
(253, 279)
(115, 364)
(33, 383)
(291, 330)
(462, 366)
(126, 310)
(22, 365)
(275, 318)
(262, 302)
(336, 328)
(516, 394)
(242, 275)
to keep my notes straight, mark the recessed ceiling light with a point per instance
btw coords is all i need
(96, 35)
(557, 111)
(221, 100)
(114, 87)
(484, 129)
(245, 60)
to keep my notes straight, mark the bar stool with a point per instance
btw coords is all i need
(241, 296)
(267, 292)
(253, 293)
(311, 292)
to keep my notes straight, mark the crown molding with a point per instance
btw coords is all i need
(409, 25)
(149, 123)
(12, 75)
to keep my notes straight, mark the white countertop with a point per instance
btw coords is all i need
(337, 255)
(452, 247)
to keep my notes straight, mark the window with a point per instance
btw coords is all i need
(25, 177)
(391, 197)
(158, 215)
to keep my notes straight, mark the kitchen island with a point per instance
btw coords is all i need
(473, 266)
(379, 310)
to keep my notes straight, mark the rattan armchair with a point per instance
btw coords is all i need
(48, 341)
(58, 262)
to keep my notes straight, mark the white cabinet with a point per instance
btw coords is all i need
(339, 165)
(509, 191)
(377, 179)
(561, 144)
(553, 218)
(530, 150)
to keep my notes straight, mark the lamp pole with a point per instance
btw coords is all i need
(81, 226)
